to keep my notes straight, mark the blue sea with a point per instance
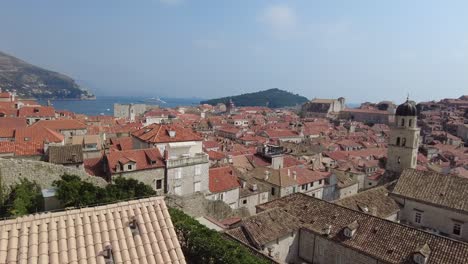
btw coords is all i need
(104, 105)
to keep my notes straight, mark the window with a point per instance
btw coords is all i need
(402, 122)
(403, 142)
(129, 166)
(178, 190)
(312, 184)
(417, 217)
(273, 191)
(304, 187)
(221, 196)
(196, 187)
(320, 181)
(410, 122)
(244, 201)
(398, 141)
(178, 173)
(457, 228)
(399, 160)
(158, 184)
(197, 169)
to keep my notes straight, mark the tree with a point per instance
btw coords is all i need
(72, 191)
(25, 198)
(203, 245)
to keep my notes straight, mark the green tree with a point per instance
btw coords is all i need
(203, 245)
(24, 198)
(72, 191)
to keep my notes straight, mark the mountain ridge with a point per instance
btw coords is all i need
(32, 81)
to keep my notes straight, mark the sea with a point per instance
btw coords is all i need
(104, 105)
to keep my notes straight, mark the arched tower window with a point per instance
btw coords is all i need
(410, 122)
(402, 122)
(399, 160)
(403, 142)
(398, 141)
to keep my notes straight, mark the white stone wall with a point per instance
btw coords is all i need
(250, 202)
(434, 217)
(284, 249)
(347, 191)
(186, 184)
(230, 197)
(148, 177)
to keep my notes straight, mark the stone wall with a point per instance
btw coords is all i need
(196, 205)
(11, 170)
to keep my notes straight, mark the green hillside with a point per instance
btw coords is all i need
(273, 98)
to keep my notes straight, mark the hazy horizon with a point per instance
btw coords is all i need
(361, 50)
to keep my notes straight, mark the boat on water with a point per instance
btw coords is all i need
(156, 100)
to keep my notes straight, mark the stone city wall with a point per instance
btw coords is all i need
(11, 170)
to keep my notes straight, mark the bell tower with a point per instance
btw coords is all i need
(404, 139)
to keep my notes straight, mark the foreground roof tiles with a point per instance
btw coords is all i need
(81, 235)
(387, 241)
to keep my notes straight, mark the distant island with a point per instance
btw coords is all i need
(274, 98)
(31, 81)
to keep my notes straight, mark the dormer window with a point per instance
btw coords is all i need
(129, 167)
(36, 110)
(422, 256)
(171, 133)
(350, 230)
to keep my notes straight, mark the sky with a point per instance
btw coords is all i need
(361, 50)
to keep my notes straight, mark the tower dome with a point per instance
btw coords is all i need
(408, 108)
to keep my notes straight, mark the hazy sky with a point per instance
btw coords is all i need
(362, 50)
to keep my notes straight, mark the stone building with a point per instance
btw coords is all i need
(129, 111)
(186, 163)
(310, 230)
(404, 139)
(144, 165)
(69, 155)
(434, 202)
(224, 186)
(329, 108)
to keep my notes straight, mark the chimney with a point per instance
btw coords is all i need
(295, 175)
(171, 133)
(254, 187)
(289, 173)
(327, 230)
(243, 184)
(267, 175)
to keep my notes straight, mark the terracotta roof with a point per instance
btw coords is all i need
(36, 111)
(374, 201)
(94, 167)
(144, 159)
(69, 154)
(7, 132)
(222, 179)
(82, 235)
(12, 122)
(304, 175)
(281, 133)
(37, 134)
(431, 187)
(60, 124)
(274, 177)
(121, 143)
(159, 133)
(385, 240)
(216, 155)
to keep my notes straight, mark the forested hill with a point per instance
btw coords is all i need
(273, 98)
(32, 81)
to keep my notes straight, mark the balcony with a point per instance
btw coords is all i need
(187, 161)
